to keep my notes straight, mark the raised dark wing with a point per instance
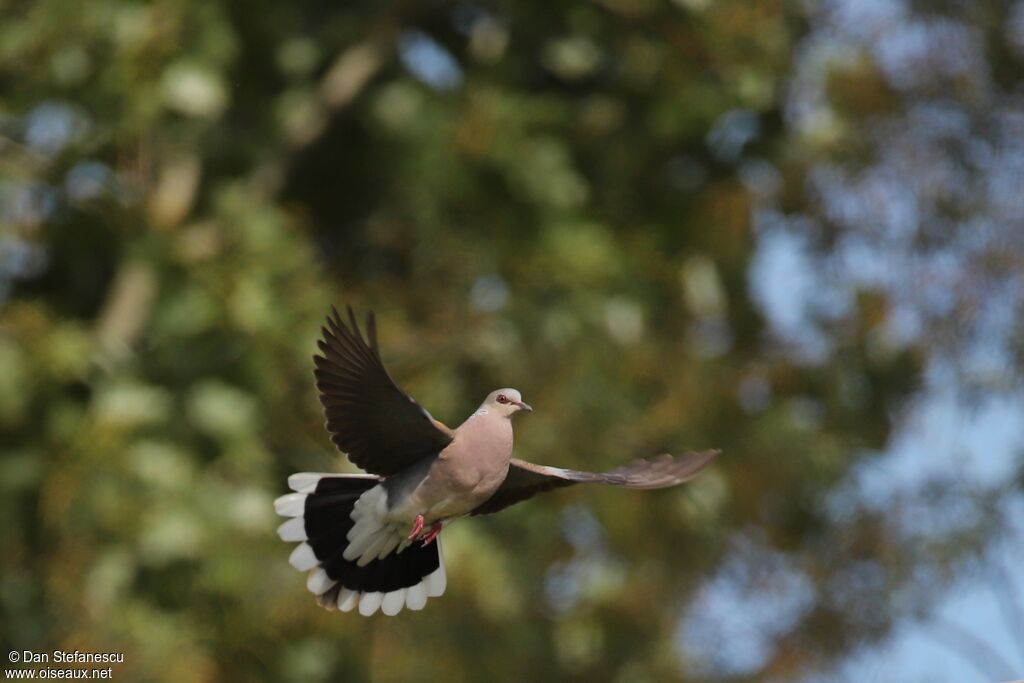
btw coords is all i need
(380, 427)
(525, 480)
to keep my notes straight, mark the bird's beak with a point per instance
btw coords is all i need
(524, 406)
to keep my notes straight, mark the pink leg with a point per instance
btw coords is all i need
(417, 527)
(432, 534)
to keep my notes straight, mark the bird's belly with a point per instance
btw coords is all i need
(464, 474)
(453, 487)
(464, 488)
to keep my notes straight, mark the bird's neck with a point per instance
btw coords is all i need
(489, 427)
(485, 415)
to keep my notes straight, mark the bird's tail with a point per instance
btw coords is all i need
(331, 512)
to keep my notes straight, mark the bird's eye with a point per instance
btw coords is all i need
(502, 398)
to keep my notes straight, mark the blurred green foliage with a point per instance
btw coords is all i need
(527, 194)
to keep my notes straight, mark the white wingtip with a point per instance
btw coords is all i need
(303, 558)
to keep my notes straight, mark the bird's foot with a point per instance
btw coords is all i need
(435, 529)
(417, 527)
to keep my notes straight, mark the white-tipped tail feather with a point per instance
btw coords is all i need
(369, 603)
(318, 582)
(303, 557)
(347, 599)
(436, 582)
(293, 530)
(305, 482)
(416, 597)
(372, 537)
(291, 505)
(391, 603)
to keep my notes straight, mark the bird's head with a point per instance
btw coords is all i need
(505, 402)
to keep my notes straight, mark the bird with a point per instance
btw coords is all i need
(372, 540)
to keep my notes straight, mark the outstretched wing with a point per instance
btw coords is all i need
(525, 480)
(380, 427)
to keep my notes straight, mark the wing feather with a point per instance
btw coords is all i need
(380, 427)
(526, 479)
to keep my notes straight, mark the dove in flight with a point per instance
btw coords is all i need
(372, 540)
